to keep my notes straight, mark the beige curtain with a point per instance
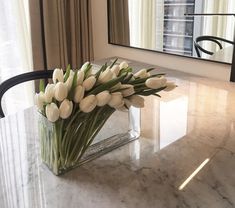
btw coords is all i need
(61, 33)
(146, 23)
(119, 22)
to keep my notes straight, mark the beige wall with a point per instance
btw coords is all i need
(102, 50)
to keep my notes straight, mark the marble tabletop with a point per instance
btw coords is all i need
(185, 157)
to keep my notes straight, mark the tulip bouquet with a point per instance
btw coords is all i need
(78, 103)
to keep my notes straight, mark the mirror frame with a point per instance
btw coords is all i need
(232, 75)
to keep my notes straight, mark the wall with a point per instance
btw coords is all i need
(102, 50)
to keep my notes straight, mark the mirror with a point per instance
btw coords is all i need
(193, 28)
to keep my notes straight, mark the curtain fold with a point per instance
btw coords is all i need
(61, 33)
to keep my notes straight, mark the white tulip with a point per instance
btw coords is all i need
(116, 99)
(84, 66)
(170, 86)
(137, 101)
(52, 112)
(80, 77)
(128, 90)
(66, 108)
(142, 74)
(39, 100)
(61, 91)
(103, 98)
(79, 93)
(89, 83)
(155, 82)
(69, 81)
(123, 65)
(115, 69)
(105, 76)
(120, 105)
(58, 75)
(88, 103)
(49, 93)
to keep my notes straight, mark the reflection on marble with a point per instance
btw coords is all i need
(193, 124)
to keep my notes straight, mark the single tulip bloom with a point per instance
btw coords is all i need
(127, 90)
(85, 65)
(120, 105)
(123, 65)
(105, 76)
(103, 98)
(155, 82)
(137, 101)
(80, 77)
(61, 91)
(79, 93)
(170, 86)
(69, 81)
(88, 104)
(58, 76)
(52, 112)
(116, 69)
(49, 93)
(39, 100)
(89, 83)
(142, 74)
(116, 99)
(66, 108)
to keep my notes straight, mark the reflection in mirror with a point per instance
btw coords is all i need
(170, 26)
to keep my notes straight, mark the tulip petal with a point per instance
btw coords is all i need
(61, 91)
(58, 76)
(116, 99)
(88, 103)
(79, 93)
(66, 108)
(52, 112)
(89, 83)
(103, 98)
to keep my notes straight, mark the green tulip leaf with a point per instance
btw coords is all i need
(67, 73)
(114, 62)
(42, 85)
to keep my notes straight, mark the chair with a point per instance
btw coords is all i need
(29, 76)
(214, 39)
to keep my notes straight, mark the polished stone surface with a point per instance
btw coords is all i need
(184, 158)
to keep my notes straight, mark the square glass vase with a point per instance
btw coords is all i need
(82, 137)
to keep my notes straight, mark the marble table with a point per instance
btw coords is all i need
(185, 157)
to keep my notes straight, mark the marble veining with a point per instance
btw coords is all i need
(191, 128)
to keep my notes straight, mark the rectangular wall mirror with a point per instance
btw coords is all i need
(172, 26)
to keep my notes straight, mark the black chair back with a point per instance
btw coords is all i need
(214, 39)
(29, 76)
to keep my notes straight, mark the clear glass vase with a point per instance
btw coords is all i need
(69, 143)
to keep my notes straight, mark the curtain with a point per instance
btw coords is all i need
(220, 26)
(61, 33)
(146, 23)
(15, 52)
(119, 22)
